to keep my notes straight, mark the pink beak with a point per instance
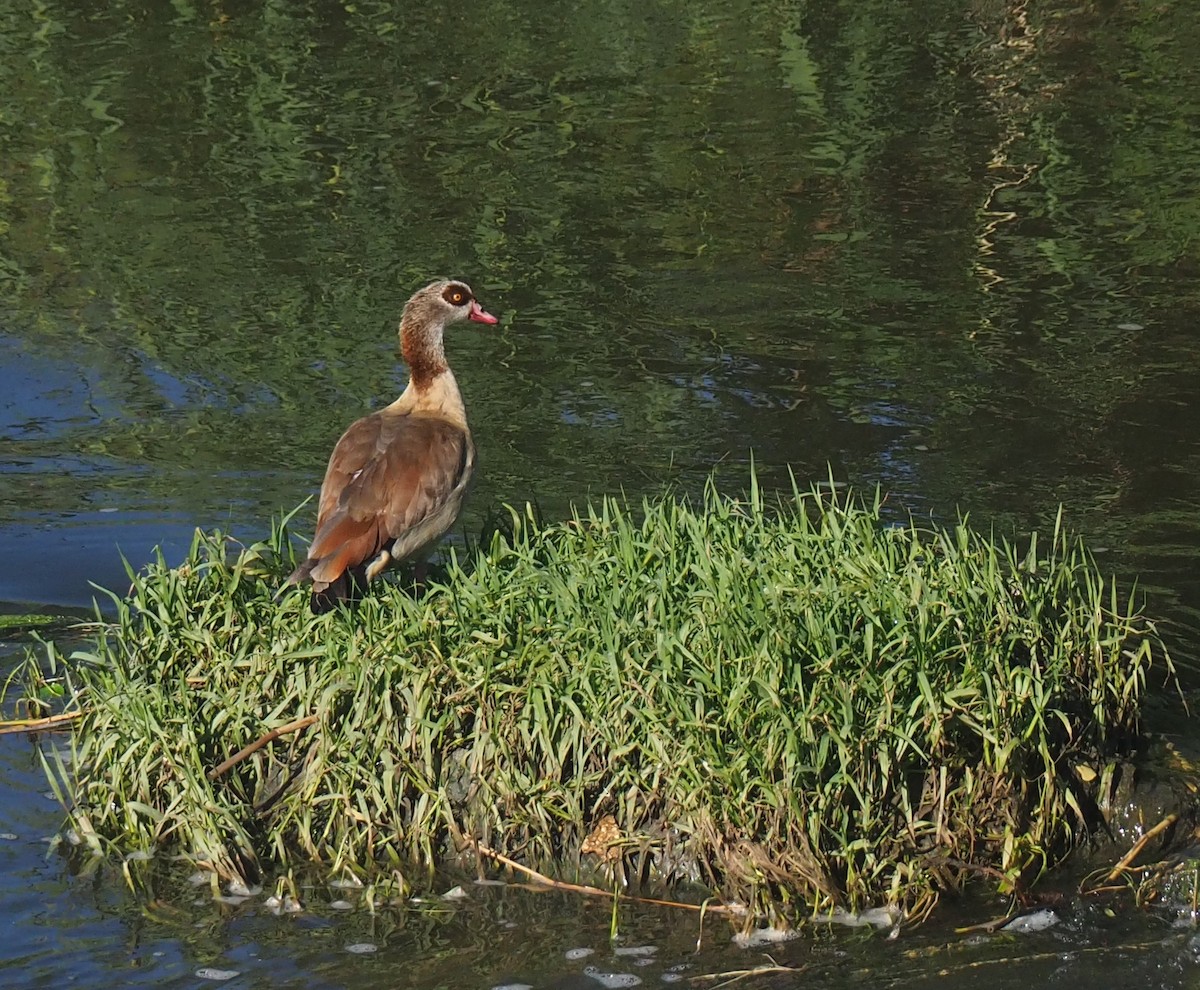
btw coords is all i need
(479, 314)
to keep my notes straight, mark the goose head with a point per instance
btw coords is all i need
(426, 315)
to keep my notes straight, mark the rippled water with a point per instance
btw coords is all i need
(77, 930)
(948, 250)
(85, 932)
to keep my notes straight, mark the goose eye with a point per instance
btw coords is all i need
(455, 297)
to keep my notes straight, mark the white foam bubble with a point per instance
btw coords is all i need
(580, 953)
(878, 917)
(764, 936)
(239, 888)
(288, 905)
(612, 981)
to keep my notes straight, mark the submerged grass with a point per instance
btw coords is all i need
(794, 703)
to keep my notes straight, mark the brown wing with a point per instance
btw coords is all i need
(354, 452)
(392, 478)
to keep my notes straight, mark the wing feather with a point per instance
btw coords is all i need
(393, 479)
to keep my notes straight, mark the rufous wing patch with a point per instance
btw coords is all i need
(342, 544)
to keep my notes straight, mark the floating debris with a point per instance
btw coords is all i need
(362, 948)
(8, 836)
(341, 905)
(1130, 326)
(604, 840)
(219, 975)
(573, 955)
(455, 894)
(512, 986)
(1039, 921)
(612, 981)
(346, 882)
(880, 917)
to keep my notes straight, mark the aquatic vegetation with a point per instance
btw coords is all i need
(21, 623)
(791, 702)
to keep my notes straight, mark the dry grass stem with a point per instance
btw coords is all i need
(735, 975)
(259, 743)
(50, 723)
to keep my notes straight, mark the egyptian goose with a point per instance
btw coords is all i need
(397, 478)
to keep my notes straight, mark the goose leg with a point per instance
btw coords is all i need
(378, 565)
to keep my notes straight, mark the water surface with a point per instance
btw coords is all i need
(948, 250)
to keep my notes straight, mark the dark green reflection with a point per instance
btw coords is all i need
(950, 249)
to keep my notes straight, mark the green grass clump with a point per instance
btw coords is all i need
(793, 703)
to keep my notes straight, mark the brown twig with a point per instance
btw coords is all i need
(50, 723)
(259, 743)
(1138, 846)
(987, 926)
(1114, 888)
(592, 891)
